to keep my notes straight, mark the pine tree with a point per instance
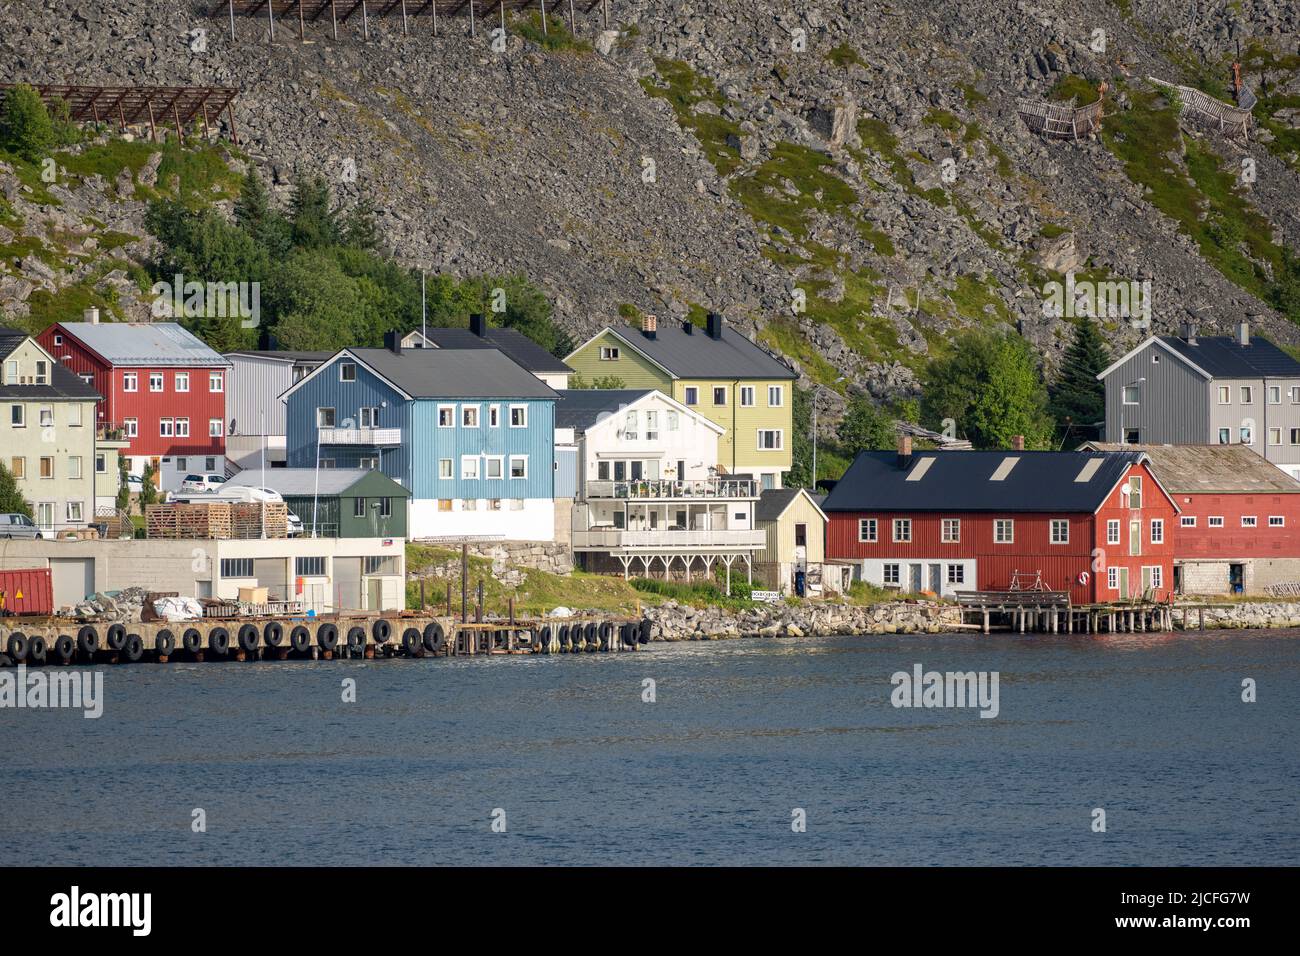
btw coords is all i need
(11, 498)
(359, 230)
(1077, 400)
(314, 221)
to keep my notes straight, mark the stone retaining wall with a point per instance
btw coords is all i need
(679, 622)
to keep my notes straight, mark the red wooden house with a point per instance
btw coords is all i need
(1097, 525)
(163, 388)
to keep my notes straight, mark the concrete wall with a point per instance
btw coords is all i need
(1213, 576)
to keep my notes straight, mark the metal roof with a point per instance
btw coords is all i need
(144, 343)
(297, 482)
(454, 373)
(64, 383)
(580, 408)
(1223, 357)
(1031, 481)
(511, 341)
(695, 354)
(277, 355)
(773, 502)
(1211, 469)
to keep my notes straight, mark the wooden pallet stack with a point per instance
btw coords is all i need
(218, 519)
(252, 519)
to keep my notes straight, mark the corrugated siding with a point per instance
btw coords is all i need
(34, 585)
(255, 387)
(1174, 407)
(566, 473)
(1232, 541)
(631, 367)
(433, 443)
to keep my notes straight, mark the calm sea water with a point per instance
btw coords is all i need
(1150, 728)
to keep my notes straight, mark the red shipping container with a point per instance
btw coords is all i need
(35, 587)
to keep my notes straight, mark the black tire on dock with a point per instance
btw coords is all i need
(6, 660)
(192, 640)
(563, 635)
(592, 634)
(65, 647)
(116, 636)
(273, 633)
(606, 635)
(356, 639)
(412, 641)
(87, 640)
(625, 634)
(646, 628)
(300, 639)
(133, 648)
(381, 631)
(219, 640)
(327, 637)
(17, 646)
(164, 642)
(36, 649)
(544, 639)
(248, 637)
(433, 636)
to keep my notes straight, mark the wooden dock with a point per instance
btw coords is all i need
(1050, 612)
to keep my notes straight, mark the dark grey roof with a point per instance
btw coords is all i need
(773, 502)
(144, 343)
(296, 482)
(454, 373)
(1043, 481)
(580, 408)
(63, 382)
(511, 341)
(283, 356)
(698, 356)
(1222, 357)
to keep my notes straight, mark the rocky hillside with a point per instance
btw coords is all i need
(849, 181)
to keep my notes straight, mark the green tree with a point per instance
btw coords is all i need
(123, 499)
(1077, 400)
(316, 304)
(25, 125)
(315, 223)
(866, 427)
(800, 475)
(359, 229)
(600, 381)
(990, 387)
(11, 497)
(256, 216)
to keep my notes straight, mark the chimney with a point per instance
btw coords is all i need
(1189, 333)
(1243, 332)
(478, 324)
(904, 450)
(714, 326)
(393, 341)
(91, 315)
(649, 326)
(688, 327)
(1018, 443)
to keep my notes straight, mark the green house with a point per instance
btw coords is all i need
(339, 502)
(713, 370)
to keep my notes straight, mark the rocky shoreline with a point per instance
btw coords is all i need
(674, 621)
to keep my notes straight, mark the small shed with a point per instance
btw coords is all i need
(793, 559)
(341, 502)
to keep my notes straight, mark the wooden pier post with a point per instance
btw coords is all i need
(986, 620)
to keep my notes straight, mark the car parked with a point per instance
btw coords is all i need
(201, 483)
(19, 526)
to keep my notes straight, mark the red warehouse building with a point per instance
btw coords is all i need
(1238, 521)
(1097, 525)
(163, 389)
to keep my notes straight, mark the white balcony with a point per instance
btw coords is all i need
(617, 539)
(360, 436)
(671, 489)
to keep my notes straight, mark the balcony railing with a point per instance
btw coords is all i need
(664, 489)
(613, 539)
(360, 436)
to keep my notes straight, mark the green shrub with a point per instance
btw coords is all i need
(25, 125)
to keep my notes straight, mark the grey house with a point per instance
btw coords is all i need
(1219, 390)
(254, 412)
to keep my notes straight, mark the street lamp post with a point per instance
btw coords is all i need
(815, 390)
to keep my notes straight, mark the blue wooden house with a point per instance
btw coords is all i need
(469, 432)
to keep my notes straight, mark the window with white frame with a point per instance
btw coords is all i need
(216, 382)
(131, 427)
(18, 416)
(1275, 394)
(46, 413)
(691, 395)
(609, 353)
(770, 439)
(1060, 531)
(1225, 395)
(446, 416)
(902, 529)
(518, 416)
(889, 574)
(951, 530)
(75, 512)
(1187, 521)
(1247, 394)
(1215, 521)
(130, 381)
(155, 381)
(1275, 436)
(1004, 531)
(518, 466)
(956, 574)
(1157, 530)
(494, 416)
(1249, 521)
(1276, 521)
(747, 396)
(630, 432)
(651, 425)
(673, 421)
(1132, 394)
(866, 529)
(74, 466)
(1225, 436)
(469, 416)
(74, 415)
(182, 382)
(444, 468)
(1155, 576)
(719, 395)
(494, 465)
(1112, 531)
(347, 372)
(166, 427)
(1112, 578)
(215, 428)
(775, 396)
(469, 466)
(369, 416)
